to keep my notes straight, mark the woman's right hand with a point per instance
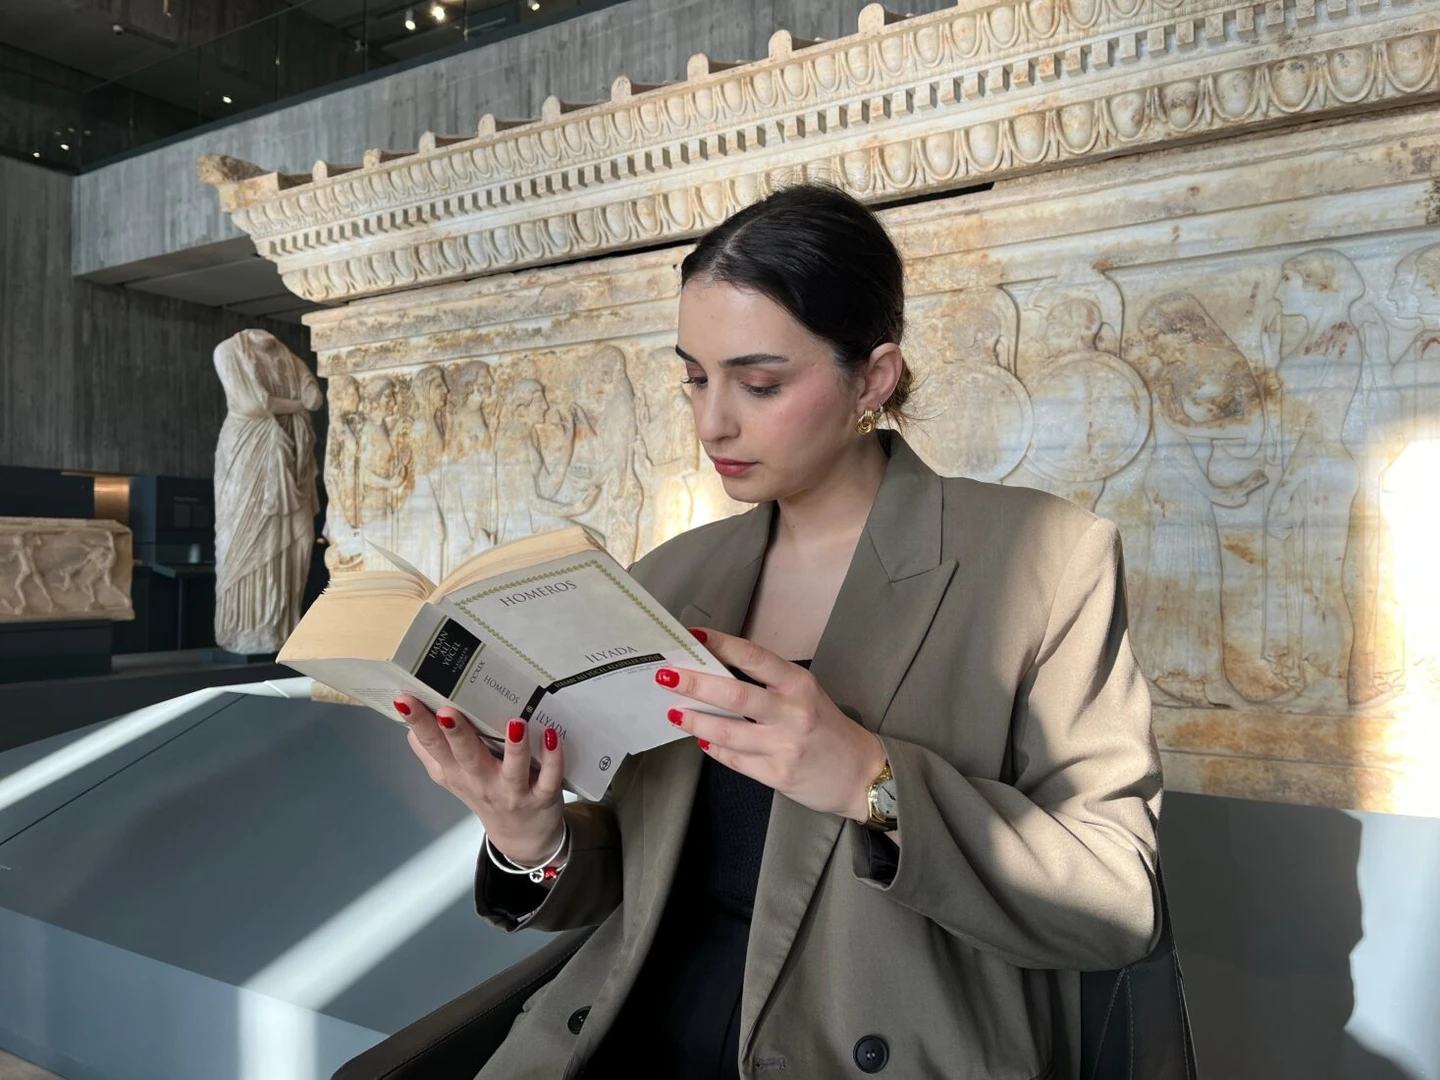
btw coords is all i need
(522, 811)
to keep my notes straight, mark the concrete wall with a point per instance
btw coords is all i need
(93, 377)
(1308, 938)
(152, 205)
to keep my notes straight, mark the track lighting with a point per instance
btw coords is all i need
(437, 11)
(409, 18)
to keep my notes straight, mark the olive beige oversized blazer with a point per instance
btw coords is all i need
(981, 631)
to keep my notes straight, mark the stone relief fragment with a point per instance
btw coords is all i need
(1247, 419)
(442, 462)
(1292, 412)
(64, 568)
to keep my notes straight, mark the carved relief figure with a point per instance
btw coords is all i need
(668, 461)
(1414, 295)
(1092, 411)
(265, 495)
(22, 590)
(342, 474)
(1374, 434)
(1306, 519)
(1205, 402)
(977, 415)
(601, 475)
(382, 469)
(83, 563)
(468, 491)
(422, 521)
(401, 423)
(537, 444)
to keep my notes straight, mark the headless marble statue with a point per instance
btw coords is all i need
(265, 497)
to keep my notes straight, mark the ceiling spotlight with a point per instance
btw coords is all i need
(227, 99)
(35, 153)
(409, 18)
(534, 5)
(437, 11)
(64, 146)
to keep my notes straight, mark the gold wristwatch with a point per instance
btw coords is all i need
(884, 806)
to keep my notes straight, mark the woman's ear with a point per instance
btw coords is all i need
(882, 375)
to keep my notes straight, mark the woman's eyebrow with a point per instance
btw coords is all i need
(738, 361)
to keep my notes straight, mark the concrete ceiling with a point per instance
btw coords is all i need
(80, 33)
(225, 275)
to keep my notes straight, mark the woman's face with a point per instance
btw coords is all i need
(772, 409)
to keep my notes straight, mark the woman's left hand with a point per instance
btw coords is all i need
(800, 744)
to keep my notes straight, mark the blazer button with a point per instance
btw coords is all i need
(577, 1020)
(871, 1054)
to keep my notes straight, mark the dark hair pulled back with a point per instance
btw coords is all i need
(825, 258)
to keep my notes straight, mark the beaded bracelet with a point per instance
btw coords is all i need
(545, 871)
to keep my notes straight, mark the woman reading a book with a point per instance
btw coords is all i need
(941, 804)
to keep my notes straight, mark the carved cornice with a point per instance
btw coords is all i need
(905, 106)
(556, 307)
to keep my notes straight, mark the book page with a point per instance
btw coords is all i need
(401, 565)
(579, 641)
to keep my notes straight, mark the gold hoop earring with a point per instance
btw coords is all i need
(866, 424)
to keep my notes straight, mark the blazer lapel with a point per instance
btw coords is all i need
(892, 588)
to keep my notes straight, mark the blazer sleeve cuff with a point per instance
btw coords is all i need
(583, 894)
(882, 857)
(512, 898)
(925, 838)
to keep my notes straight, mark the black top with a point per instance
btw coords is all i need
(683, 1014)
(682, 1017)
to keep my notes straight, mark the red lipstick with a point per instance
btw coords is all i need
(731, 467)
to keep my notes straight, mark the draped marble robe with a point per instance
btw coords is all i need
(265, 495)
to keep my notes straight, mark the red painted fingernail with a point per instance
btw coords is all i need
(402, 708)
(675, 716)
(667, 677)
(552, 739)
(447, 722)
(704, 744)
(700, 635)
(516, 730)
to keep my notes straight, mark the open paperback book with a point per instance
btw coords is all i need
(548, 628)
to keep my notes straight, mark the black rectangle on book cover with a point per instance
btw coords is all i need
(448, 657)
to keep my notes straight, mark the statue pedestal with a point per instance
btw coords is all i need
(63, 648)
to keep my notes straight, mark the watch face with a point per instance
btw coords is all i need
(885, 801)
